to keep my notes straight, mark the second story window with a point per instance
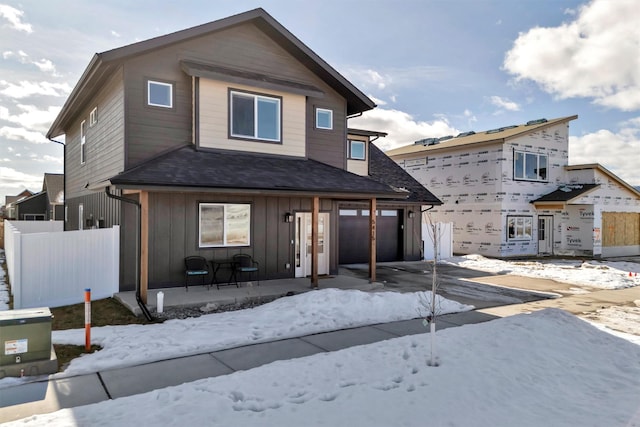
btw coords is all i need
(356, 150)
(324, 118)
(159, 94)
(93, 117)
(83, 140)
(255, 116)
(529, 166)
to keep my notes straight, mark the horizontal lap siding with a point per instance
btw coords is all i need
(214, 120)
(104, 146)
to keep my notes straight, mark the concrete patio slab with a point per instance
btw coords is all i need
(337, 340)
(251, 356)
(152, 376)
(49, 396)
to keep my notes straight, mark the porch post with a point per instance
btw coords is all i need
(144, 245)
(372, 240)
(315, 213)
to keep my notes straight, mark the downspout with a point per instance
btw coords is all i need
(141, 304)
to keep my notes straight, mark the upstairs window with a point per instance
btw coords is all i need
(530, 166)
(93, 117)
(83, 140)
(356, 150)
(255, 116)
(159, 94)
(324, 118)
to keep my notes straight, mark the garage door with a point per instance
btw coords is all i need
(353, 232)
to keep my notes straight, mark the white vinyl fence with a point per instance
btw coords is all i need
(444, 235)
(49, 267)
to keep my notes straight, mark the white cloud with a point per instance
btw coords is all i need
(402, 128)
(22, 134)
(26, 88)
(31, 117)
(44, 65)
(377, 101)
(14, 17)
(504, 103)
(616, 151)
(596, 55)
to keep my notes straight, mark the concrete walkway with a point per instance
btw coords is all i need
(51, 395)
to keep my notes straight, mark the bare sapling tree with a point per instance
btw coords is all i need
(430, 302)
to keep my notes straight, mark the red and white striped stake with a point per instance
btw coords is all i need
(87, 319)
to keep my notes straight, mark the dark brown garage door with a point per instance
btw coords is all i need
(354, 236)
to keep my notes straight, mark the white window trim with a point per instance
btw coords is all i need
(155, 82)
(350, 152)
(324, 110)
(520, 227)
(225, 243)
(524, 166)
(80, 216)
(93, 117)
(83, 141)
(255, 97)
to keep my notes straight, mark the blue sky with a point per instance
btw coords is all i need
(433, 67)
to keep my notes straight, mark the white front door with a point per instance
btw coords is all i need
(303, 244)
(545, 235)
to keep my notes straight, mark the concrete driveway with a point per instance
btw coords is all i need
(455, 283)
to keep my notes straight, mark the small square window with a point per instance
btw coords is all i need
(356, 150)
(93, 117)
(159, 94)
(324, 118)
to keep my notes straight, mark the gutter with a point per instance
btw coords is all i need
(141, 304)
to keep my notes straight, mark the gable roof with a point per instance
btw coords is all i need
(103, 64)
(492, 136)
(384, 169)
(566, 193)
(228, 171)
(605, 171)
(53, 184)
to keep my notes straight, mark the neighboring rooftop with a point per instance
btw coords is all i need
(467, 138)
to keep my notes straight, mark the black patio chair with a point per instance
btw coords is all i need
(195, 266)
(243, 263)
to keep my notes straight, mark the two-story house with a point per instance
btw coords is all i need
(511, 192)
(230, 137)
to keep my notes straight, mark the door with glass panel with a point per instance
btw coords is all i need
(303, 244)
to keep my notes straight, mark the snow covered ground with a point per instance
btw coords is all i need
(546, 368)
(596, 274)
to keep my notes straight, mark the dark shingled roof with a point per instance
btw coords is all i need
(205, 168)
(566, 193)
(385, 170)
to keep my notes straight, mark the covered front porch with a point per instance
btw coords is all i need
(210, 298)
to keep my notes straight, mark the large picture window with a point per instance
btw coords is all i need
(529, 166)
(519, 227)
(255, 116)
(224, 224)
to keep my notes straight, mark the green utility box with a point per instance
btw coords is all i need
(25, 335)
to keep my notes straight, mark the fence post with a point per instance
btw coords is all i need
(87, 319)
(16, 285)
